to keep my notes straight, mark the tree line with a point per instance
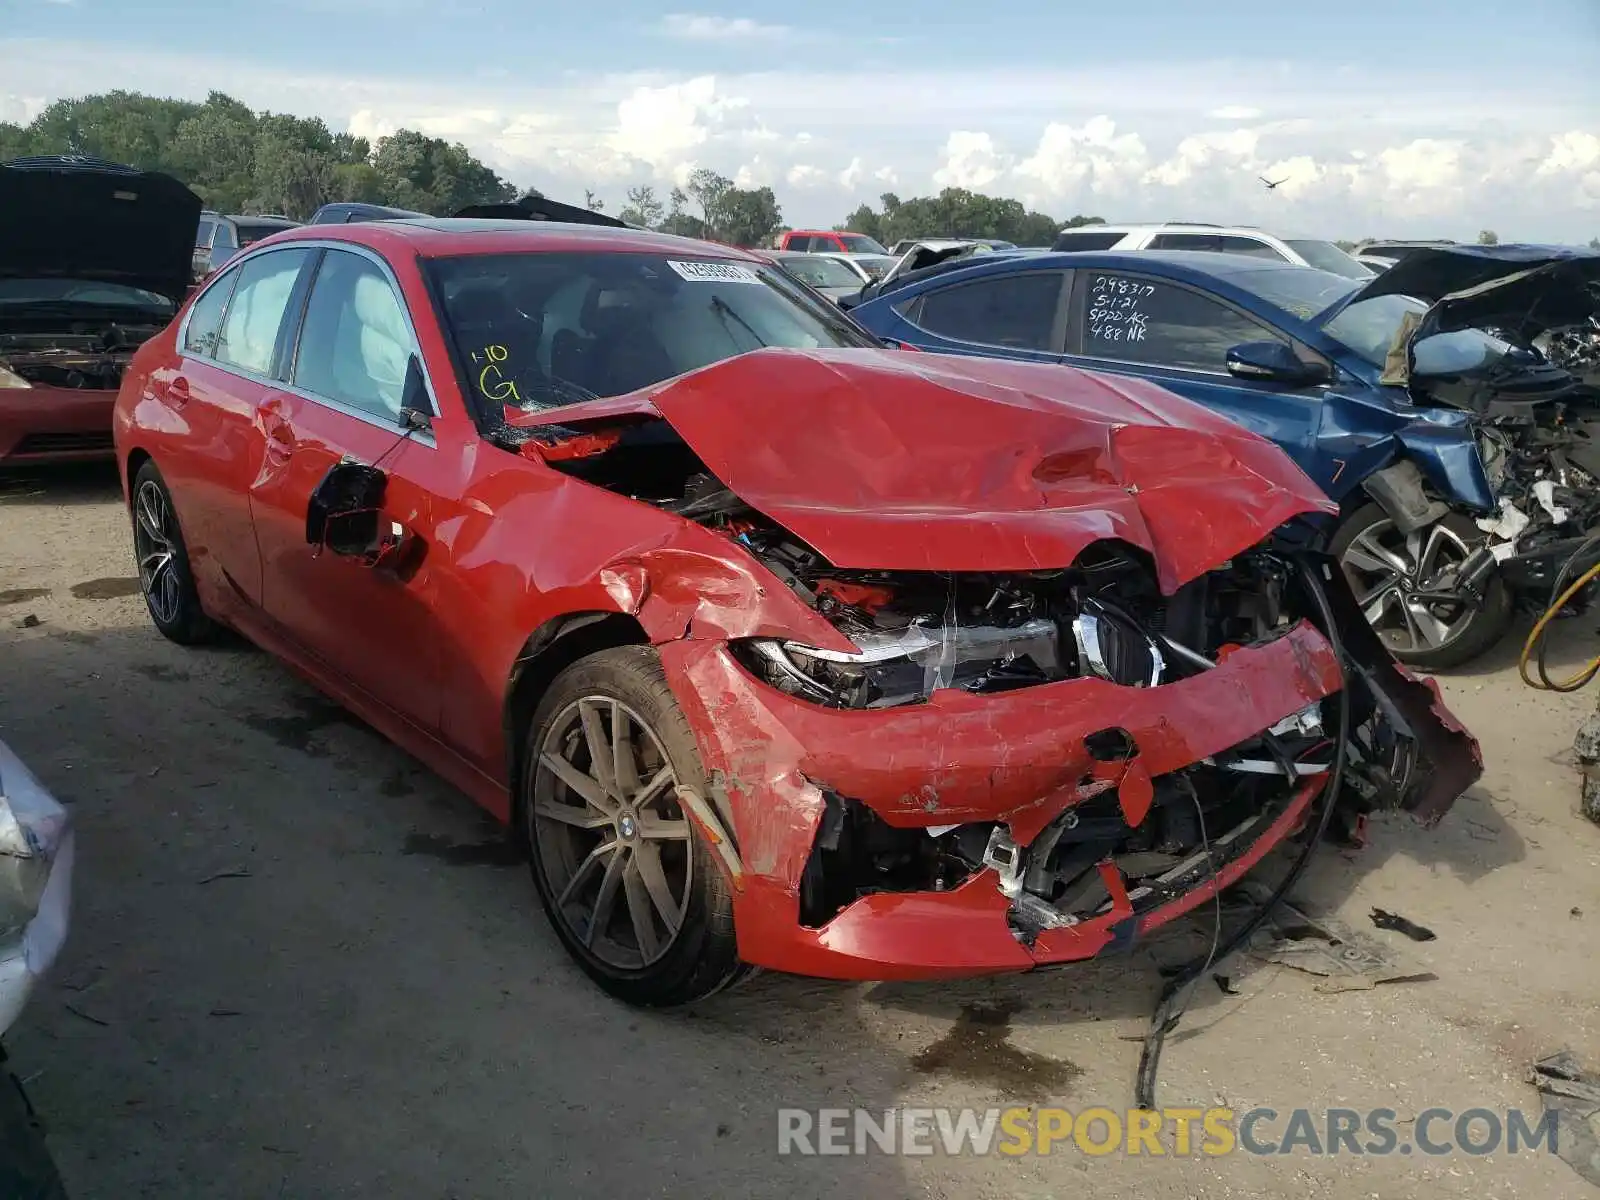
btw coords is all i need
(243, 161)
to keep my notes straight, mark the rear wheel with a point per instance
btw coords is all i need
(164, 576)
(626, 880)
(1402, 583)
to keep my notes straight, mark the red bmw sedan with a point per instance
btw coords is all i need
(777, 648)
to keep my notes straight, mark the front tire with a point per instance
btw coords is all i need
(165, 579)
(1387, 569)
(633, 892)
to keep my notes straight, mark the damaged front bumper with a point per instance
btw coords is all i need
(1012, 765)
(36, 861)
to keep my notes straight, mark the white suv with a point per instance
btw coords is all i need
(1223, 239)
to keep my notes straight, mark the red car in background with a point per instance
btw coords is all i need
(829, 241)
(95, 258)
(776, 648)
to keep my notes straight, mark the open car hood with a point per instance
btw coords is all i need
(71, 217)
(1524, 289)
(892, 460)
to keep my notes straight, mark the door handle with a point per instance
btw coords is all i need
(178, 391)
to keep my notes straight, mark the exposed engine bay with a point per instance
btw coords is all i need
(84, 354)
(1103, 618)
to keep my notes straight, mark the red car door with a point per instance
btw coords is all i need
(375, 628)
(230, 346)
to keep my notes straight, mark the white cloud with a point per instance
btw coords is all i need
(1441, 156)
(970, 160)
(1085, 160)
(1204, 152)
(804, 175)
(699, 27)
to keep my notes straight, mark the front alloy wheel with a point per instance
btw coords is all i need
(1405, 585)
(615, 840)
(634, 893)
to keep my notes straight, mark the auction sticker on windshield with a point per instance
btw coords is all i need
(707, 272)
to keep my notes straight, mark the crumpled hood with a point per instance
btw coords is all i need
(79, 218)
(1527, 289)
(891, 460)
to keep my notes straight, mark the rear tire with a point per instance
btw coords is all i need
(165, 579)
(1473, 631)
(629, 885)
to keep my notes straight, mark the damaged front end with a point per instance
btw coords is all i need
(1114, 700)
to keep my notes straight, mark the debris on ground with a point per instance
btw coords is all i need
(1226, 984)
(1573, 1094)
(1347, 961)
(1395, 923)
(230, 873)
(30, 621)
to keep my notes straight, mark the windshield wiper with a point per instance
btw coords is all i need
(725, 311)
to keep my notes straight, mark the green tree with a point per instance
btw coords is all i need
(434, 176)
(749, 216)
(679, 222)
(1488, 237)
(238, 160)
(643, 208)
(958, 212)
(708, 189)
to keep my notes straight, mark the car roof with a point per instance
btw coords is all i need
(442, 237)
(1197, 262)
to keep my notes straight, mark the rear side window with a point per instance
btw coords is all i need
(203, 236)
(1250, 246)
(251, 329)
(1136, 318)
(1186, 241)
(223, 238)
(1097, 240)
(205, 318)
(355, 344)
(1016, 311)
(798, 243)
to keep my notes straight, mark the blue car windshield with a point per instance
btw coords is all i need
(1369, 327)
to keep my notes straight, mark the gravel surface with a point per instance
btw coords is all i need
(303, 966)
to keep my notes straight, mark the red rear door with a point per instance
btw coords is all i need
(230, 348)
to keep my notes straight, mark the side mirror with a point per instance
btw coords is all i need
(367, 537)
(1274, 362)
(415, 404)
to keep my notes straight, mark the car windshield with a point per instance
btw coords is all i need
(875, 264)
(1300, 291)
(1326, 256)
(81, 291)
(251, 232)
(821, 272)
(860, 243)
(1370, 327)
(540, 330)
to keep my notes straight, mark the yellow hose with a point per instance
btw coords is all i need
(1530, 648)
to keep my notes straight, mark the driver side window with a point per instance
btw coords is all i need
(355, 345)
(1143, 319)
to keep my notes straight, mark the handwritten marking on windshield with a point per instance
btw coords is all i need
(491, 381)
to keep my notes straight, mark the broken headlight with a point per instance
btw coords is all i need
(906, 665)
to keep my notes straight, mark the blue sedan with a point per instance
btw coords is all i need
(1325, 366)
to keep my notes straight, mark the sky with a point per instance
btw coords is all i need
(1384, 118)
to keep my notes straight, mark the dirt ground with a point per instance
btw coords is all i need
(302, 966)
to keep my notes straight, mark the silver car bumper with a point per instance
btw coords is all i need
(36, 858)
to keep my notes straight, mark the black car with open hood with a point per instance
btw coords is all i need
(71, 217)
